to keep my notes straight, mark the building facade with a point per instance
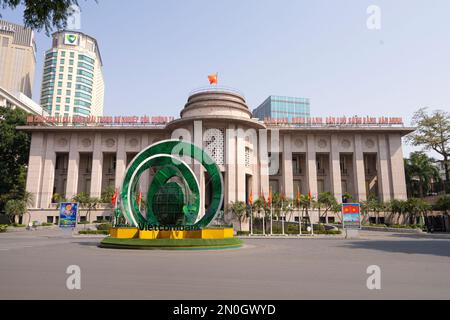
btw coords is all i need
(72, 82)
(21, 101)
(281, 107)
(253, 156)
(17, 58)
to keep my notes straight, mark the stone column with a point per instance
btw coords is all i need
(335, 169)
(48, 179)
(240, 168)
(263, 164)
(97, 167)
(311, 165)
(145, 177)
(288, 175)
(198, 168)
(230, 154)
(384, 185)
(35, 163)
(358, 167)
(397, 167)
(121, 161)
(73, 167)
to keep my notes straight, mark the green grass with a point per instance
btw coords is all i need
(105, 232)
(171, 244)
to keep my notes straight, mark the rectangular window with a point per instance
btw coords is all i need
(63, 53)
(67, 108)
(62, 61)
(72, 54)
(58, 99)
(69, 77)
(61, 69)
(70, 69)
(69, 84)
(68, 93)
(59, 92)
(58, 107)
(71, 62)
(67, 100)
(60, 84)
(60, 76)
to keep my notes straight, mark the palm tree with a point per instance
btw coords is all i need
(306, 204)
(326, 201)
(419, 167)
(239, 210)
(86, 202)
(15, 208)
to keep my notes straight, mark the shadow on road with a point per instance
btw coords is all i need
(436, 248)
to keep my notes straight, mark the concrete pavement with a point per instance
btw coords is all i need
(33, 266)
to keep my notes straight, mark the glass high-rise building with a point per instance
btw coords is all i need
(280, 107)
(72, 82)
(17, 58)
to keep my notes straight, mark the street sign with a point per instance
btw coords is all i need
(68, 212)
(351, 213)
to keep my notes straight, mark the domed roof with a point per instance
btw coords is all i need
(216, 101)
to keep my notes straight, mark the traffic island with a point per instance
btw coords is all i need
(133, 238)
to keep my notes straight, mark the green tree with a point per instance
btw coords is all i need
(433, 133)
(325, 201)
(107, 195)
(15, 208)
(420, 167)
(239, 210)
(416, 208)
(14, 152)
(443, 204)
(86, 202)
(42, 14)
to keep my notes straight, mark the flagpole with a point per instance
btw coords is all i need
(251, 220)
(264, 222)
(271, 219)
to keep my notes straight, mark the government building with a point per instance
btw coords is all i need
(357, 156)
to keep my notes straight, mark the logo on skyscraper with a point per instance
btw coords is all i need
(71, 39)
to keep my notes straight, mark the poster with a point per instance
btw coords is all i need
(351, 213)
(68, 213)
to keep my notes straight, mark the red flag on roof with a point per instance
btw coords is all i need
(213, 78)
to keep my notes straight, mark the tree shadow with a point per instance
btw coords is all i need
(435, 248)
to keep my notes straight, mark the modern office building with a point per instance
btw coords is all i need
(17, 58)
(355, 155)
(283, 108)
(21, 101)
(72, 82)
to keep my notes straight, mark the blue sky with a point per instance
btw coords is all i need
(156, 52)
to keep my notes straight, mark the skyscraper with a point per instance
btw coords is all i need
(72, 82)
(17, 58)
(279, 107)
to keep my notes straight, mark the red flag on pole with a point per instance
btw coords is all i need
(298, 198)
(270, 198)
(139, 199)
(114, 198)
(310, 196)
(250, 198)
(213, 78)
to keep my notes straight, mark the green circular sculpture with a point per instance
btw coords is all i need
(173, 197)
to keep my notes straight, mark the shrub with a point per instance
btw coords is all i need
(3, 228)
(104, 226)
(94, 232)
(46, 224)
(16, 225)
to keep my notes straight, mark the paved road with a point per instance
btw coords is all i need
(33, 266)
